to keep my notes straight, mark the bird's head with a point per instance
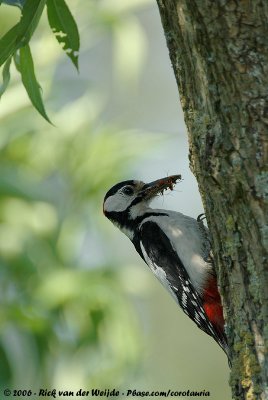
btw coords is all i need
(127, 200)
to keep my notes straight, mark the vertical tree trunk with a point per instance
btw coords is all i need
(219, 52)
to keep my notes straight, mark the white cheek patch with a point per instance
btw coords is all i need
(118, 202)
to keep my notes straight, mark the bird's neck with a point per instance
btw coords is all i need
(138, 210)
(128, 221)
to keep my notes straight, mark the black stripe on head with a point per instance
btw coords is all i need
(118, 186)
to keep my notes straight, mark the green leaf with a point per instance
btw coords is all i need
(29, 80)
(8, 44)
(16, 59)
(64, 27)
(6, 76)
(31, 14)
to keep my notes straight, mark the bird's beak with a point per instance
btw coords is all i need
(149, 190)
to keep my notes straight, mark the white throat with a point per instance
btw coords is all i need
(138, 210)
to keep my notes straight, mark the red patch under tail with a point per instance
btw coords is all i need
(212, 304)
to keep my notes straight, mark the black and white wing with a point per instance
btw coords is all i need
(156, 250)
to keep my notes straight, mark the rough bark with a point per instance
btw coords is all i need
(219, 52)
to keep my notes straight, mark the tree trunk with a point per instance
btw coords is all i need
(219, 52)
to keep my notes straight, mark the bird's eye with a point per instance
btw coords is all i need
(128, 190)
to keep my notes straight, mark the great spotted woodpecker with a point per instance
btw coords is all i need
(174, 246)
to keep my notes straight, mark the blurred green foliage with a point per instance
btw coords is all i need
(14, 44)
(64, 320)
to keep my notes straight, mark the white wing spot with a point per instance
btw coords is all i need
(184, 299)
(196, 317)
(186, 289)
(211, 330)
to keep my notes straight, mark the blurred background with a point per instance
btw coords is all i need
(79, 308)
